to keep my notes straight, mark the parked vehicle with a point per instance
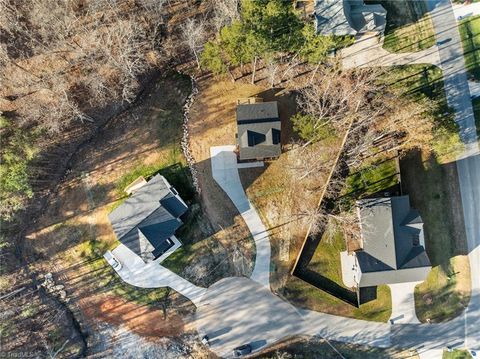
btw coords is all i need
(205, 340)
(112, 261)
(242, 350)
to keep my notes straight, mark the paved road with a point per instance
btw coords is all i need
(136, 272)
(225, 173)
(468, 166)
(465, 11)
(237, 311)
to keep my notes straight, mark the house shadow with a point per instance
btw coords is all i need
(434, 191)
(287, 107)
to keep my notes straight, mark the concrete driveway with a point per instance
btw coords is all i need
(403, 303)
(367, 51)
(237, 311)
(136, 272)
(225, 173)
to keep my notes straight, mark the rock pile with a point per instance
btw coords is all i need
(185, 144)
(49, 285)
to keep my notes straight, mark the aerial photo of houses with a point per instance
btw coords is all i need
(265, 179)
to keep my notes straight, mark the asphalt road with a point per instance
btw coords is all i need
(458, 96)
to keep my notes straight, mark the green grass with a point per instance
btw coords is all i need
(434, 192)
(409, 27)
(476, 112)
(372, 178)
(420, 82)
(424, 84)
(108, 279)
(411, 38)
(456, 354)
(470, 33)
(368, 179)
(326, 261)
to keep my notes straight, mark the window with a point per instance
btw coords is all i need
(276, 135)
(416, 240)
(255, 138)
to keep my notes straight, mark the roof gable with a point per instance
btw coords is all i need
(138, 206)
(391, 234)
(257, 112)
(150, 216)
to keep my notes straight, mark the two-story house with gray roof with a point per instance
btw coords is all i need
(146, 222)
(259, 131)
(393, 246)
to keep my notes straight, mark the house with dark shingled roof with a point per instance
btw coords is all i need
(392, 244)
(146, 222)
(258, 131)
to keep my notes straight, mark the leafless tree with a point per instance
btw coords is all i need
(272, 71)
(224, 12)
(193, 36)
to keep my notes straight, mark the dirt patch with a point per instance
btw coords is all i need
(142, 320)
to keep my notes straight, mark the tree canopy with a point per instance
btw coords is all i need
(16, 151)
(265, 29)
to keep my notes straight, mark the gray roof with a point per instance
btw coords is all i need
(392, 236)
(150, 213)
(348, 17)
(257, 112)
(259, 130)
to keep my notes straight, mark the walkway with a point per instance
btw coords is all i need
(225, 173)
(462, 11)
(368, 51)
(152, 275)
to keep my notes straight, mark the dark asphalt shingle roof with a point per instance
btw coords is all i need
(151, 211)
(391, 232)
(259, 129)
(257, 112)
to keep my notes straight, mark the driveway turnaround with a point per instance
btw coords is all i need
(367, 51)
(225, 173)
(136, 272)
(237, 311)
(403, 303)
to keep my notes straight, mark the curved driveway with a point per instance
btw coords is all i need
(225, 173)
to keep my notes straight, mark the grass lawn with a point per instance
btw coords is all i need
(409, 28)
(417, 81)
(425, 84)
(303, 347)
(456, 354)
(433, 190)
(411, 38)
(476, 112)
(470, 33)
(370, 178)
(108, 280)
(326, 261)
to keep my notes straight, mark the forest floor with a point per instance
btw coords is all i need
(73, 233)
